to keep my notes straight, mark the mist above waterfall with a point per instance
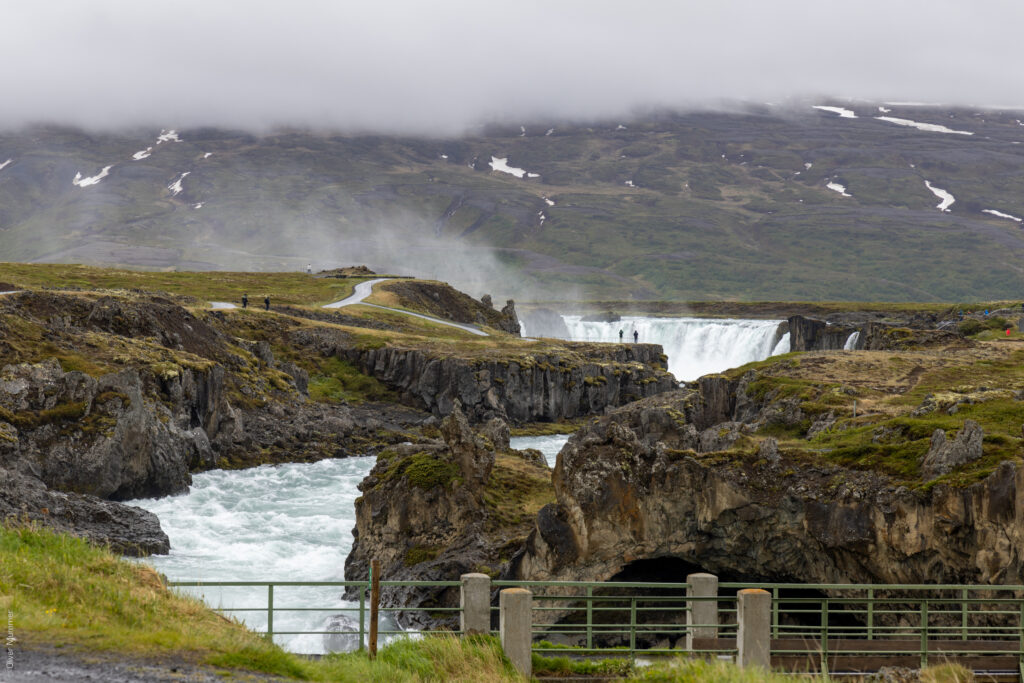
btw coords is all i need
(694, 346)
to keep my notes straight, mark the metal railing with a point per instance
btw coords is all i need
(272, 606)
(813, 626)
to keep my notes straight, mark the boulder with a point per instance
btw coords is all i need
(945, 455)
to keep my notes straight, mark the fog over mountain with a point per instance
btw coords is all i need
(443, 67)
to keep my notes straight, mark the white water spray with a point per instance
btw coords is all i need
(851, 341)
(694, 346)
(275, 523)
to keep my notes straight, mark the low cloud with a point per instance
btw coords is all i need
(444, 67)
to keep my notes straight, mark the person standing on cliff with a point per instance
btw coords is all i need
(245, 301)
(620, 336)
(266, 302)
(636, 337)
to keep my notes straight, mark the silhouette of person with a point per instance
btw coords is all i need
(266, 302)
(245, 301)
(636, 336)
(620, 336)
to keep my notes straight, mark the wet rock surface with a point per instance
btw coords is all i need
(127, 529)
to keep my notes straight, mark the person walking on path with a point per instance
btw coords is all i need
(266, 302)
(620, 336)
(245, 301)
(309, 269)
(636, 336)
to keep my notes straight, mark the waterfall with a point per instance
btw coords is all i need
(694, 346)
(851, 341)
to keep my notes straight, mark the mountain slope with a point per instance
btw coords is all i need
(769, 203)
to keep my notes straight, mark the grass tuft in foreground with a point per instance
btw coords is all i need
(63, 591)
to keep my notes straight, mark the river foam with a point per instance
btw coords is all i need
(288, 522)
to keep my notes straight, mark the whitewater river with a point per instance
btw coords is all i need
(282, 522)
(294, 522)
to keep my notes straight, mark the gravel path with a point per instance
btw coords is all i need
(364, 289)
(46, 664)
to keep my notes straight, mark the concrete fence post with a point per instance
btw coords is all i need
(475, 604)
(753, 639)
(514, 608)
(701, 615)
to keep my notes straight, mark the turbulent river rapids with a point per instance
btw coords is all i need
(294, 522)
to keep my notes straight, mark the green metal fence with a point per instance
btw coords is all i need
(821, 625)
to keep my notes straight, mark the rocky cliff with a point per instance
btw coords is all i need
(811, 334)
(774, 474)
(434, 511)
(524, 387)
(631, 487)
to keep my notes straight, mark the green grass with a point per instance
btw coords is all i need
(283, 288)
(684, 670)
(332, 379)
(547, 428)
(63, 591)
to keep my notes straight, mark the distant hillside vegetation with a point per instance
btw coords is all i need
(768, 204)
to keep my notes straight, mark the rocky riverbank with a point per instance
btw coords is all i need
(821, 467)
(435, 510)
(113, 395)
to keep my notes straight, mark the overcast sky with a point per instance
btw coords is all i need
(443, 65)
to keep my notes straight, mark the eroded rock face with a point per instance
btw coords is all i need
(944, 454)
(432, 511)
(537, 388)
(128, 529)
(104, 436)
(811, 334)
(629, 489)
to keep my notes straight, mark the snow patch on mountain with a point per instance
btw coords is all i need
(843, 113)
(5, 163)
(167, 136)
(838, 188)
(142, 154)
(501, 164)
(1000, 214)
(175, 187)
(947, 198)
(930, 127)
(91, 180)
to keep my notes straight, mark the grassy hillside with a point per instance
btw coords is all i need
(696, 206)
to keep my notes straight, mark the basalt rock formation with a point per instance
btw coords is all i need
(811, 334)
(525, 388)
(433, 511)
(640, 485)
(104, 436)
(127, 529)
